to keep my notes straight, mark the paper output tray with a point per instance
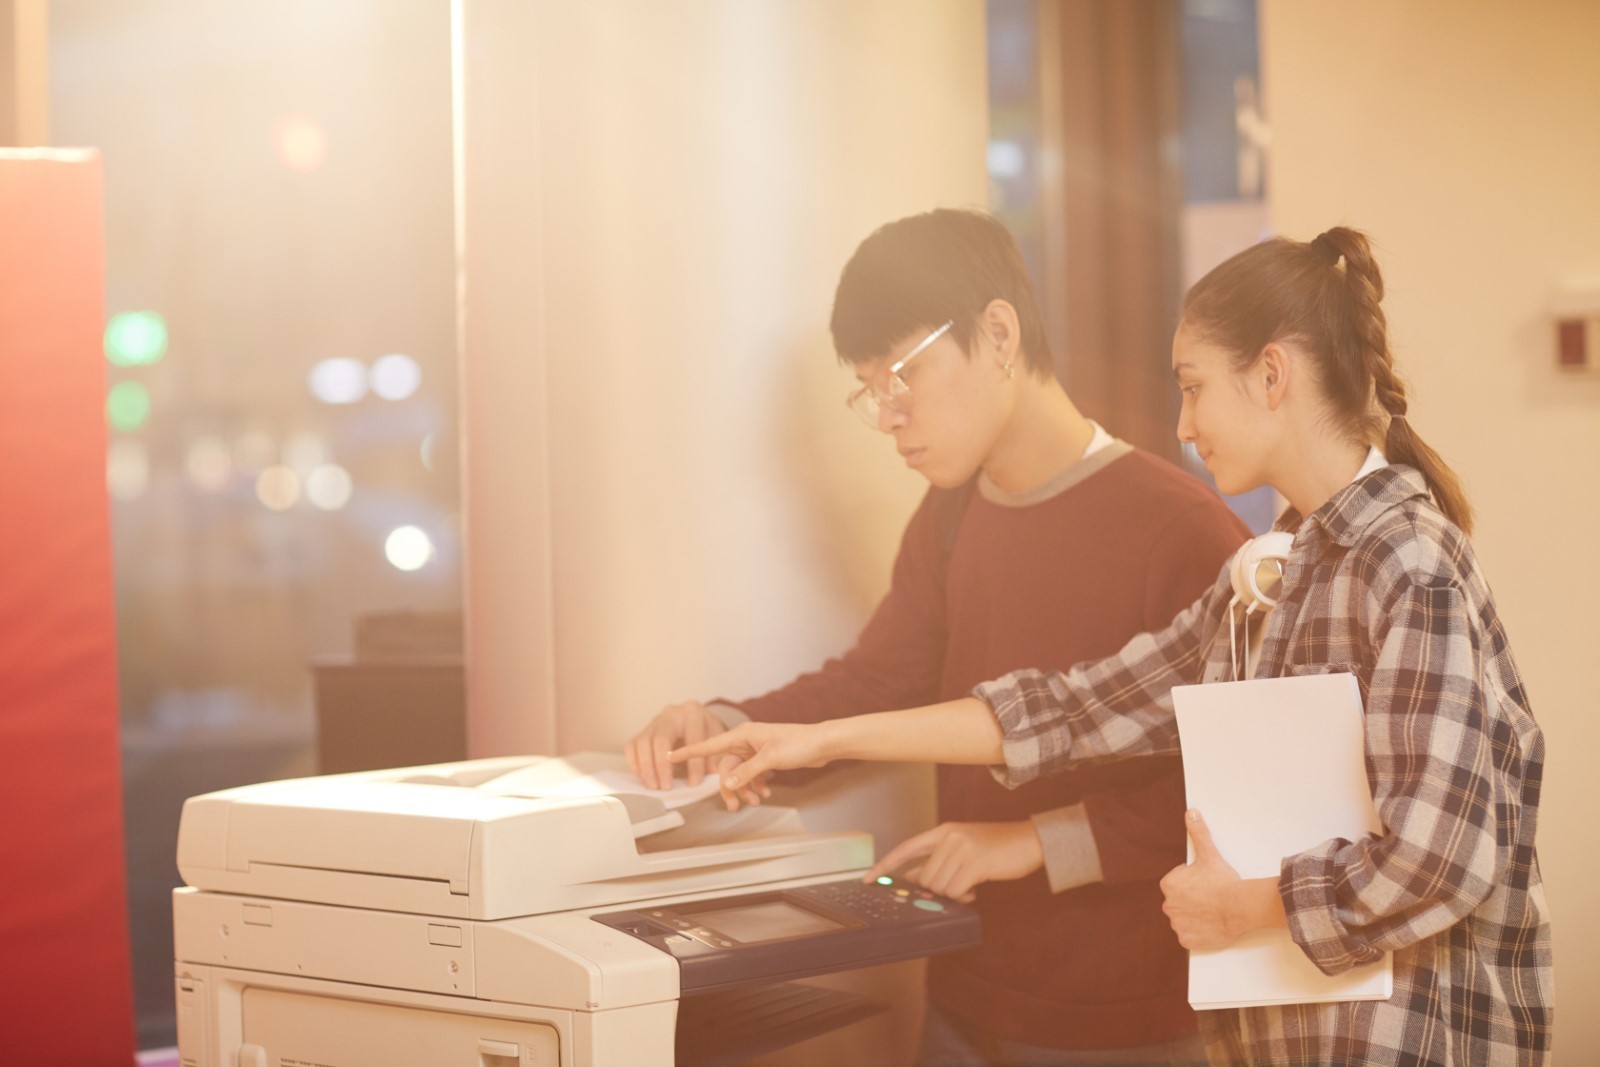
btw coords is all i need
(730, 1026)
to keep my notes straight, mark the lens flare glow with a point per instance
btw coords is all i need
(338, 381)
(329, 486)
(395, 376)
(408, 548)
(278, 488)
(127, 406)
(300, 142)
(1006, 159)
(254, 451)
(135, 338)
(127, 470)
(304, 451)
(208, 463)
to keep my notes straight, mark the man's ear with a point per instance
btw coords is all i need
(1273, 371)
(1000, 329)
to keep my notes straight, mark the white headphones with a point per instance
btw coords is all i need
(1256, 573)
(1268, 553)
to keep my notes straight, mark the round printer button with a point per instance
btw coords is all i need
(929, 905)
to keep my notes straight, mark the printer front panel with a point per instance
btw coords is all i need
(242, 1018)
(283, 1027)
(380, 948)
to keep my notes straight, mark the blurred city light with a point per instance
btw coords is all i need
(254, 451)
(278, 488)
(408, 548)
(135, 338)
(208, 463)
(1006, 159)
(329, 487)
(127, 406)
(338, 381)
(395, 376)
(127, 470)
(304, 451)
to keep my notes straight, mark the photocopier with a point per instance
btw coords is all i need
(518, 912)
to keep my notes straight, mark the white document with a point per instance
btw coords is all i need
(593, 774)
(1276, 766)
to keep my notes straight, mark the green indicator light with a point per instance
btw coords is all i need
(127, 406)
(884, 879)
(136, 338)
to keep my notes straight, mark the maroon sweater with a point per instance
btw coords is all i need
(1047, 584)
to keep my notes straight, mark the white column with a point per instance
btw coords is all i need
(24, 73)
(664, 495)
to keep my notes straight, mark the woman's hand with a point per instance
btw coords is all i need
(745, 755)
(1208, 904)
(963, 855)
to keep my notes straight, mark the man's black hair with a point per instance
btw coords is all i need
(912, 275)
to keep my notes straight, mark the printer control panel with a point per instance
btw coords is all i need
(776, 935)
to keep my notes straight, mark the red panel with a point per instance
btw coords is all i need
(65, 992)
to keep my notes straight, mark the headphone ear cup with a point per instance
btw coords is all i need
(1241, 588)
(1244, 569)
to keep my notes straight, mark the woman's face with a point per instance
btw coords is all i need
(1224, 415)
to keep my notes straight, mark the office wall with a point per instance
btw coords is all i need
(1463, 137)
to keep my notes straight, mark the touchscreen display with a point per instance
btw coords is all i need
(767, 921)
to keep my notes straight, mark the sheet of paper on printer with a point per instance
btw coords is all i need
(592, 774)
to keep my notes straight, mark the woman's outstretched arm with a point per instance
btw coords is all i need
(957, 731)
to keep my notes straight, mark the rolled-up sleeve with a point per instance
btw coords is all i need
(1071, 854)
(1436, 788)
(1116, 708)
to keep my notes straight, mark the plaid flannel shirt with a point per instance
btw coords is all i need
(1379, 583)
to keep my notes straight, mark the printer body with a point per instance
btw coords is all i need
(436, 916)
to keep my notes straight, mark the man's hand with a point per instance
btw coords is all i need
(1208, 904)
(963, 855)
(745, 755)
(681, 724)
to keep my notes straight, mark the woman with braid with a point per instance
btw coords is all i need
(1287, 381)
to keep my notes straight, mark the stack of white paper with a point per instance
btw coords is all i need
(1276, 766)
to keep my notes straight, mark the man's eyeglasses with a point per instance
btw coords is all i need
(868, 403)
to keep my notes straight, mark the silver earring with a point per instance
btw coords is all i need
(1010, 369)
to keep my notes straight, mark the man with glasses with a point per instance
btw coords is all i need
(1042, 542)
